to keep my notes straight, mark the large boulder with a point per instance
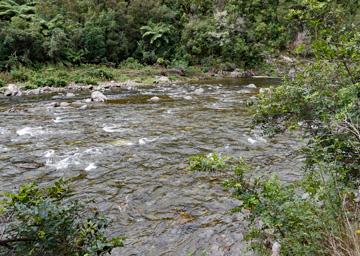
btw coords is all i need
(12, 90)
(98, 96)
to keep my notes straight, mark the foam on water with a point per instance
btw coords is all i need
(32, 131)
(90, 167)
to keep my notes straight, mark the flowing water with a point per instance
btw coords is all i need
(130, 154)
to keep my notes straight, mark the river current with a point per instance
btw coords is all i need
(130, 155)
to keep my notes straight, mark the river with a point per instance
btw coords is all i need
(129, 154)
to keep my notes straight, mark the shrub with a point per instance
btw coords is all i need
(131, 63)
(46, 221)
(19, 74)
(49, 81)
(207, 163)
(100, 73)
(303, 217)
(2, 83)
(317, 215)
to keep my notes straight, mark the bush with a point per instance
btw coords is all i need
(49, 81)
(317, 215)
(207, 163)
(2, 83)
(131, 63)
(303, 217)
(100, 73)
(46, 221)
(19, 74)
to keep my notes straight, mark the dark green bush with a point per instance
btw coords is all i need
(46, 221)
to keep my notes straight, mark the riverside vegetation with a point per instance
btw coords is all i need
(317, 215)
(213, 34)
(43, 221)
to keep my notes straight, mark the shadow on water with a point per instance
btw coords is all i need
(130, 155)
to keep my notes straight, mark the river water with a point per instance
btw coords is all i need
(129, 154)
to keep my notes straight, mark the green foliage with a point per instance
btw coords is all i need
(302, 216)
(209, 32)
(2, 83)
(48, 81)
(19, 74)
(318, 214)
(131, 63)
(207, 163)
(45, 221)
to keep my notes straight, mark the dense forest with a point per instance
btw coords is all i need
(221, 33)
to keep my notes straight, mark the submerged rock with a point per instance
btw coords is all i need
(98, 96)
(188, 98)
(12, 90)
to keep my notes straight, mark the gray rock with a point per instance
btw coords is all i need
(12, 90)
(98, 96)
(276, 248)
(287, 59)
(199, 91)
(88, 100)
(56, 97)
(188, 98)
(162, 80)
(155, 99)
(83, 107)
(54, 104)
(69, 95)
(292, 73)
(64, 104)
(36, 91)
(265, 90)
(236, 73)
(251, 86)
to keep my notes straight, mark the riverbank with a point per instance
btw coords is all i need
(63, 79)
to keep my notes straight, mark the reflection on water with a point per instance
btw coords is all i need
(130, 155)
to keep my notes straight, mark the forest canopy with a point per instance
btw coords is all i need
(236, 33)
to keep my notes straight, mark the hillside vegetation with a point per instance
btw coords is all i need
(222, 33)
